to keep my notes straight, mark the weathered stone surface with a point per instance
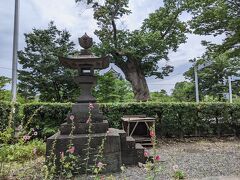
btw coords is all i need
(80, 111)
(83, 128)
(140, 153)
(111, 153)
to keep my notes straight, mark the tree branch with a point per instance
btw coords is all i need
(171, 25)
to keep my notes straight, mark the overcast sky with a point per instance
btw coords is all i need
(78, 20)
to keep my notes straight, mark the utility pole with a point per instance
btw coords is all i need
(198, 68)
(230, 88)
(196, 84)
(15, 49)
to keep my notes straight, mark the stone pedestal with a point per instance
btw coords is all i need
(86, 131)
(118, 148)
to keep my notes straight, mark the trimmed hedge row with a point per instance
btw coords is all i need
(5, 114)
(173, 119)
(182, 119)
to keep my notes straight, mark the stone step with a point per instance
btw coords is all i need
(83, 128)
(140, 153)
(129, 144)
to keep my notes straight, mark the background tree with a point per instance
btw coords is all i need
(42, 74)
(160, 96)
(138, 52)
(5, 95)
(212, 79)
(184, 92)
(111, 88)
(217, 17)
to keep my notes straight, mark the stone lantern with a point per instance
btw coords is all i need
(85, 63)
(118, 149)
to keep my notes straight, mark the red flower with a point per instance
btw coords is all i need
(146, 153)
(152, 133)
(71, 150)
(157, 158)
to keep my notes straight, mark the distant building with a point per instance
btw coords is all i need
(115, 73)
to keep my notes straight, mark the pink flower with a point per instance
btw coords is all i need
(62, 155)
(152, 133)
(26, 137)
(146, 153)
(35, 151)
(89, 120)
(90, 106)
(35, 133)
(157, 158)
(71, 117)
(102, 178)
(175, 168)
(100, 164)
(71, 150)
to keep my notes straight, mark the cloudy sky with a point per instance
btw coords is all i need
(78, 19)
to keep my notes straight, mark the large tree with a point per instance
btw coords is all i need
(217, 17)
(138, 52)
(42, 74)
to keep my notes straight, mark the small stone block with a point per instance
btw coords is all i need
(83, 128)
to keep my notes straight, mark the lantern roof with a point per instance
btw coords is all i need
(85, 58)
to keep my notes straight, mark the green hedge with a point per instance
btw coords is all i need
(182, 119)
(5, 114)
(45, 117)
(174, 119)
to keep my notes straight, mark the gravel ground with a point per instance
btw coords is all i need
(198, 158)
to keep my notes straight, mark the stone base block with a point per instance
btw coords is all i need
(85, 149)
(83, 128)
(80, 112)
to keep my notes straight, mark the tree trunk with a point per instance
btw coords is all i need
(135, 76)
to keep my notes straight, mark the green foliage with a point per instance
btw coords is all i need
(160, 96)
(3, 81)
(6, 116)
(179, 175)
(174, 119)
(182, 119)
(111, 88)
(184, 91)
(6, 136)
(42, 74)
(138, 52)
(22, 151)
(212, 78)
(45, 117)
(4, 94)
(217, 17)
